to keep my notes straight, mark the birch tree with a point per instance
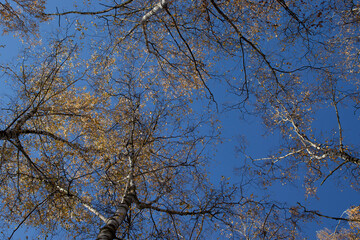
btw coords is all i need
(104, 130)
(90, 151)
(290, 105)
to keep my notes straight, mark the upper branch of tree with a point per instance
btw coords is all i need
(325, 216)
(91, 13)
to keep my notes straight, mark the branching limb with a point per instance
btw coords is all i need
(91, 13)
(158, 7)
(276, 159)
(86, 205)
(325, 216)
(171, 212)
(28, 215)
(335, 103)
(251, 44)
(292, 14)
(45, 178)
(193, 59)
(340, 165)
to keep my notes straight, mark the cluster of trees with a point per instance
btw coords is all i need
(114, 115)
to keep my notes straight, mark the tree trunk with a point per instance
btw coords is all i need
(108, 232)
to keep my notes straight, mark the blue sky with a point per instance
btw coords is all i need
(331, 200)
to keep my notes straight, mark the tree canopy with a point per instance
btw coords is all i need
(115, 115)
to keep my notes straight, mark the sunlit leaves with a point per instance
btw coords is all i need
(351, 231)
(22, 16)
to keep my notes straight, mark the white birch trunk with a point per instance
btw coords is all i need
(108, 232)
(160, 5)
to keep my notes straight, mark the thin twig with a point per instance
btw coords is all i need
(343, 163)
(28, 215)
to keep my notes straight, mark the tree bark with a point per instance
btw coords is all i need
(108, 232)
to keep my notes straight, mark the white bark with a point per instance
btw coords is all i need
(87, 206)
(158, 7)
(108, 232)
